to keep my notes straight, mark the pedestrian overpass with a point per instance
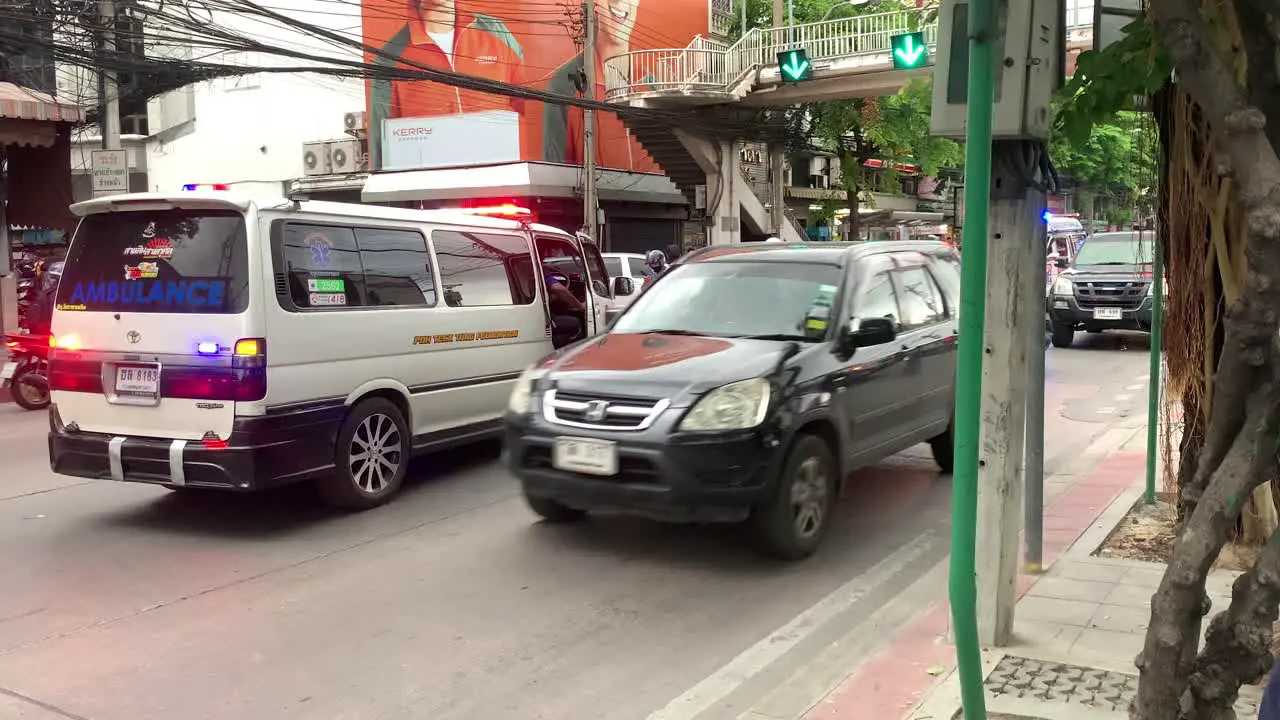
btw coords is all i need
(851, 57)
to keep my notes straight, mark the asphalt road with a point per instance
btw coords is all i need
(126, 602)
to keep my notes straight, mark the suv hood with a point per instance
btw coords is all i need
(653, 366)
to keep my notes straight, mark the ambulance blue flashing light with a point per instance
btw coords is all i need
(192, 187)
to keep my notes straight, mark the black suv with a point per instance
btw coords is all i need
(1107, 287)
(745, 384)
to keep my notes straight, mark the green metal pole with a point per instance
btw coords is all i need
(1157, 345)
(973, 308)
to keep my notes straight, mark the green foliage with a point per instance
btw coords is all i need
(901, 130)
(1113, 169)
(1107, 81)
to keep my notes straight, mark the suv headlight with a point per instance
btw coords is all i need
(736, 406)
(1063, 286)
(521, 400)
(1151, 289)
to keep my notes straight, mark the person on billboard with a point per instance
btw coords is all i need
(562, 131)
(439, 35)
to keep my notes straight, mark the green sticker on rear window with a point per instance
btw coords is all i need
(326, 285)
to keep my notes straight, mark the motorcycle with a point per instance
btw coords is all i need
(26, 374)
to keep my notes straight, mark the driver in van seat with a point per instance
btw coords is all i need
(565, 328)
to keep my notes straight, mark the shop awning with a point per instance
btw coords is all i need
(516, 180)
(20, 103)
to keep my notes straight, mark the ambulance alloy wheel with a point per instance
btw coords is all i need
(371, 457)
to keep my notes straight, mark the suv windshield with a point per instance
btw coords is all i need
(161, 261)
(1117, 249)
(775, 300)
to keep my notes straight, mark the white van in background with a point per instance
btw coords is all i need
(207, 340)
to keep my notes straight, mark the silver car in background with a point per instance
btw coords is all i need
(629, 265)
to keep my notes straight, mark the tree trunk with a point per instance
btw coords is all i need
(1241, 440)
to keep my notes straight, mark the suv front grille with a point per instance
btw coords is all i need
(600, 412)
(1121, 294)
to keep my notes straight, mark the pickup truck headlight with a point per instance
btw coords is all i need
(737, 406)
(1151, 289)
(1063, 286)
(521, 400)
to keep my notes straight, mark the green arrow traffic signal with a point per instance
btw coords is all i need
(794, 65)
(909, 51)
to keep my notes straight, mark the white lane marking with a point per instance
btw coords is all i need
(750, 662)
(1124, 396)
(1144, 378)
(1134, 387)
(1106, 410)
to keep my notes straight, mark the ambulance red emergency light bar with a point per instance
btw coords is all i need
(503, 210)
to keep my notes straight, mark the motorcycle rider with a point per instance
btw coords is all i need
(657, 262)
(40, 312)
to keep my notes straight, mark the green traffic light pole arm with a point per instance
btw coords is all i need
(973, 301)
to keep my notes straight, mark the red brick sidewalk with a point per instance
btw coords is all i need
(890, 684)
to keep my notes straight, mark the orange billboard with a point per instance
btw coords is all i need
(416, 124)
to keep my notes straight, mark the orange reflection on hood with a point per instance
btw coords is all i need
(628, 351)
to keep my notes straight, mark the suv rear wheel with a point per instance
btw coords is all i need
(792, 525)
(371, 457)
(944, 449)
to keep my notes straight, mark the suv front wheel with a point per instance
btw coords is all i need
(1063, 335)
(792, 525)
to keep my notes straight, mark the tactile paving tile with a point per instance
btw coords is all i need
(1058, 682)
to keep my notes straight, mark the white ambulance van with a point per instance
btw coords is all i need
(204, 339)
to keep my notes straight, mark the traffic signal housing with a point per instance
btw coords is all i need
(794, 65)
(908, 51)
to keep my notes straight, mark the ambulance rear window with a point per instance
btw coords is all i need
(162, 261)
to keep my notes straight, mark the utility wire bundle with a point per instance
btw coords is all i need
(182, 42)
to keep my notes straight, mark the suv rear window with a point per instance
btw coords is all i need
(162, 261)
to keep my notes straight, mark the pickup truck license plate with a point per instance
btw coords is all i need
(584, 455)
(1108, 314)
(141, 380)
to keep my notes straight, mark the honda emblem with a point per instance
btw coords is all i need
(596, 410)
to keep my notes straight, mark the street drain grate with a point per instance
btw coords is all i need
(1061, 683)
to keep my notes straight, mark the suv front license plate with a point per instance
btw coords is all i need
(1108, 314)
(585, 455)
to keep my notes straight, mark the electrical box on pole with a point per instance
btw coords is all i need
(1028, 67)
(794, 65)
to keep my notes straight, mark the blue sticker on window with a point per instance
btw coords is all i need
(321, 250)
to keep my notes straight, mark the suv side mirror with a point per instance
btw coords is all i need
(872, 331)
(623, 286)
(1062, 262)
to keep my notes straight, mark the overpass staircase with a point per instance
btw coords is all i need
(851, 58)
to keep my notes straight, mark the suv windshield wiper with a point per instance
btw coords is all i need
(671, 331)
(1109, 262)
(776, 336)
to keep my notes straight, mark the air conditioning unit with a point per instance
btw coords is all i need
(355, 123)
(345, 157)
(317, 158)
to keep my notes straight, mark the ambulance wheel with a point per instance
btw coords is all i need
(371, 457)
